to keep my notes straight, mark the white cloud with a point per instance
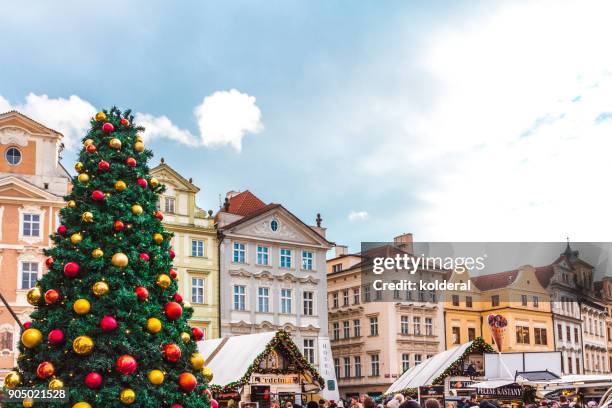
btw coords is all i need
(162, 127)
(358, 215)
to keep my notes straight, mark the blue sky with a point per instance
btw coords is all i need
(452, 120)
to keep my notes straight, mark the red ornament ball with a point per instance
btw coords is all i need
(177, 297)
(176, 406)
(97, 195)
(56, 336)
(118, 225)
(93, 380)
(103, 165)
(91, 148)
(49, 261)
(71, 269)
(130, 161)
(173, 310)
(108, 127)
(142, 182)
(172, 253)
(124, 121)
(62, 229)
(144, 257)
(126, 364)
(159, 215)
(172, 274)
(45, 370)
(51, 296)
(27, 325)
(108, 323)
(198, 334)
(187, 382)
(172, 352)
(141, 293)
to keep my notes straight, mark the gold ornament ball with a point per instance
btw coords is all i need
(163, 281)
(101, 117)
(120, 260)
(154, 182)
(82, 345)
(120, 185)
(56, 383)
(34, 295)
(76, 238)
(83, 178)
(81, 404)
(127, 396)
(158, 238)
(185, 337)
(139, 147)
(79, 166)
(12, 379)
(207, 373)
(156, 377)
(88, 142)
(82, 306)
(100, 288)
(154, 325)
(197, 361)
(136, 209)
(71, 204)
(115, 143)
(28, 403)
(97, 253)
(31, 338)
(87, 216)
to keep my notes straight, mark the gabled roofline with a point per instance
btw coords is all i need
(29, 186)
(164, 166)
(21, 115)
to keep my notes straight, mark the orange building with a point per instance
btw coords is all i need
(32, 184)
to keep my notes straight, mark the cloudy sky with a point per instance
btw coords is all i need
(452, 120)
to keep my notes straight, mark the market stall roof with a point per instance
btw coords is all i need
(578, 380)
(536, 376)
(492, 384)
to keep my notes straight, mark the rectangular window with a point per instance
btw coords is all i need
(263, 255)
(367, 293)
(29, 274)
(307, 257)
(357, 366)
(357, 327)
(471, 333)
(345, 297)
(239, 252)
(417, 359)
(6, 341)
(576, 335)
(335, 300)
(495, 300)
(523, 300)
(405, 361)
(286, 301)
(455, 300)
(404, 328)
(456, 335)
(522, 334)
(569, 365)
(346, 329)
(536, 301)
(308, 303)
(560, 331)
(468, 301)
(169, 208)
(428, 326)
(568, 333)
(375, 362)
(197, 290)
(416, 323)
(337, 267)
(336, 330)
(197, 247)
(539, 335)
(373, 326)
(309, 350)
(31, 225)
(347, 367)
(285, 258)
(337, 367)
(263, 299)
(356, 296)
(239, 297)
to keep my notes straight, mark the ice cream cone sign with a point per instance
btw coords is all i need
(498, 324)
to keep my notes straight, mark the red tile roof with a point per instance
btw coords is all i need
(245, 203)
(495, 280)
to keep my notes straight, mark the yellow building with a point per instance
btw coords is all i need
(518, 295)
(196, 246)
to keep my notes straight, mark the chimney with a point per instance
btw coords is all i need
(340, 250)
(231, 194)
(404, 242)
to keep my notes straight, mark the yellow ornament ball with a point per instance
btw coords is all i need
(158, 238)
(115, 143)
(81, 404)
(139, 147)
(76, 238)
(154, 182)
(33, 296)
(120, 260)
(71, 204)
(31, 338)
(12, 379)
(197, 361)
(120, 185)
(87, 142)
(79, 166)
(100, 288)
(83, 177)
(82, 306)
(156, 377)
(87, 216)
(101, 116)
(154, 325)
(56, 383)
(185, 337)
(127, 396)
(136, 209)
(163, 281)
(82, 345)
(27, 403)
(207, 373)
(97, 253)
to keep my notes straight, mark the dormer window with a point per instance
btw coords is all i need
(13, 156)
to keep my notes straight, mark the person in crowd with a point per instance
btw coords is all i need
(473, 400)
(288, 404)
(462, 403)
(399, 397)
(340, 403)
(450, 404)
(332, 404)
(312, 404)
(369, 403)
(591, 404)
(563, 402)
(393, 403)
(410, 403)
(274, 404)
(355, 403)
(322, 403)
(432, 403)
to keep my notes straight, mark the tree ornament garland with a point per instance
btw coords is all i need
(456, 368)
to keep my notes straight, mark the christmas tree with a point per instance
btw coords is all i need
(109, 325)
